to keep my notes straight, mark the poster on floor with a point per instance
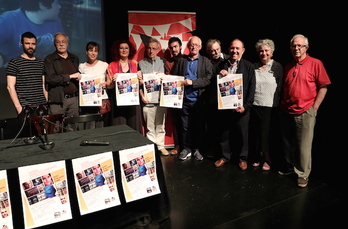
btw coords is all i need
(138, 172)
(230, 91)
(6, 221)
(152, 86)
(45, 196)
(95, 182)
(127, 89)
(91, 90)
(172, 92)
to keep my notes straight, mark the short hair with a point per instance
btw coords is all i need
(152, 40)
(299, 35)
(34, 5)
(63, 34)
(27, 35)
(210, 42)
(91, 45)
(173, 39)
(115, 49)
(267, 42)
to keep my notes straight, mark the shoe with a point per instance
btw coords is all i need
(198, 156)
(243, 165)
(302, 182)
(175, 151)
(286, 172)
(164, 152)
(220, 163)
(256, 164)
(184, 154)
(266, 166)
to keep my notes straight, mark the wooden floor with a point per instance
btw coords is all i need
(203, 196)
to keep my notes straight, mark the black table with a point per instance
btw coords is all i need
(67, 147)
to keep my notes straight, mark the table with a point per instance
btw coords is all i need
(67, 147)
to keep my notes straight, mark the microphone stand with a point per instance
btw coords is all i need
(46, 145)
(32, 139)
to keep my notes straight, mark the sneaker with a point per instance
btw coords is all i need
(302, 182)
(286, 172)
(266, 166)
(184, 154)
(198, 156)
(164, 152)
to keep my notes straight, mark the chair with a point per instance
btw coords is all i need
(83, 122)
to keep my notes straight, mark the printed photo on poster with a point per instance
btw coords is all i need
(95, 182)
(91, 90)
(6, 220)
(152, 87)
(230, 91)
(45, 195)
(172, 92)
(138, 172)
(127, 89)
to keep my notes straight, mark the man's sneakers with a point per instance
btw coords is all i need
(302, 182)
(186, 153)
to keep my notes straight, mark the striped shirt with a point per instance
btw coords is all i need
(28, 75)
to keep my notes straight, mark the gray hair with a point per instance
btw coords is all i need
(299, 35)
(267, 42)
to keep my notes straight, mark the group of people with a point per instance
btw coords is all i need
(273, 96)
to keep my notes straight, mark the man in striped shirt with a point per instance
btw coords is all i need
(25, 78)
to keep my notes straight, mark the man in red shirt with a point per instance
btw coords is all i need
(304, 89)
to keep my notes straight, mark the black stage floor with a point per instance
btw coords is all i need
(203, 196)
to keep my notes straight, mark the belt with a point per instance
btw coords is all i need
(71, 95)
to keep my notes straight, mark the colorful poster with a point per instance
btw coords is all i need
(230, 91)
(5, 204)
(152, 85)
(138, 172)
(172, 92)
(160, 25)
(45, 196)
(95, 182)
(91, 91)
(127, 89)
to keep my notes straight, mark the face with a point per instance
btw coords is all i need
(194, 46)
(140, 160)
(53, 12)
(61, 44)
(265, 53)
(298, 48)
(215, 51)
(236, 50)
(97, 170)
(47, 179)
(29, 46)
(175, 49)
(152, 50)
(124, 50)
(92, 53)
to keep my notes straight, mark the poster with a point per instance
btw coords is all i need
(138, 172)
(95, 182)
(5, 204)
(160, 25)
(230, 91)
(91, 91)
(152, 85)
(172, 92)
(127, 89)
(45, 196)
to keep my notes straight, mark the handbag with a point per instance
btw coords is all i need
(105, 107)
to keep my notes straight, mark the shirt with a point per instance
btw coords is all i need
(191, 73)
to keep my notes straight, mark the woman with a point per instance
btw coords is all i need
(122, 53)
(269, 76)
(94, 66)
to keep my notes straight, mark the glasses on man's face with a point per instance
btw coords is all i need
(297, 46)
(151, 49)
(194, 45)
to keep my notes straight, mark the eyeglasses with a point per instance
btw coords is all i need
(194, 45)
(297, 46)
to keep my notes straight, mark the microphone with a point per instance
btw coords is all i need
(41, 111)
(94, 143)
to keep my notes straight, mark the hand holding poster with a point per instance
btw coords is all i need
(172, 92)
(95, 182)
(138, 172)
(91, 91)
(230, 91)
(152, 85)
(127, 89)
(5, 205)
(45, 196)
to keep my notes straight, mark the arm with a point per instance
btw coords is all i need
(11, 87)
(320, 97)
(44, 88)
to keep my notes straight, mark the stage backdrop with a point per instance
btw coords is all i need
(161, 25)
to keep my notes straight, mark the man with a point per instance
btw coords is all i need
(25, 79)
(62, 76)
(197, 70)
(41, 17)
(154, 114)
(175, 47)
(228, 120)
(304, 90)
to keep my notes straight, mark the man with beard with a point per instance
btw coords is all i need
(25, 78)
